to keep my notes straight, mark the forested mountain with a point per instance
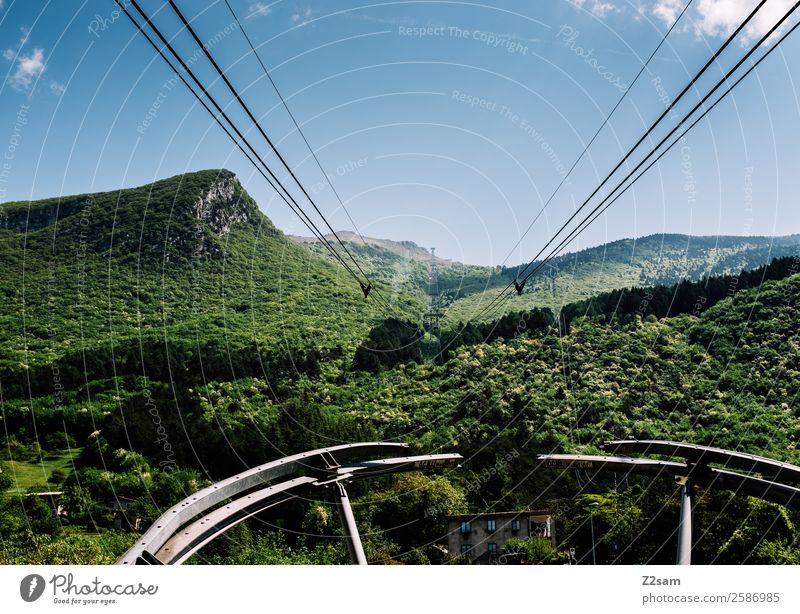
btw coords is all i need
(157, 338)
(661, 259)
(186, 266)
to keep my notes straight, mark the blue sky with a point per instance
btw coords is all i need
(446, 123)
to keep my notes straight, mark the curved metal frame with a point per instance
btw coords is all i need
(774, 492)
(191, 538)
(694, 471)
(189, 525)
(697, 454)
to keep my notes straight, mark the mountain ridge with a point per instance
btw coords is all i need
(410, 249)
(404, 249)
(189, 256)
(655, 259)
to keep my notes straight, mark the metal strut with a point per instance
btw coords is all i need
(685, 525)
(366, 289)
(351, 536)
(519, 287)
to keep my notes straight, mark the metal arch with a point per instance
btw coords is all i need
(621, 464)
(775, 492)
(694, 471)
(181, 513)
(185, 528)
(191, 538)
(767, 490)
(687, 474)
(704, 455)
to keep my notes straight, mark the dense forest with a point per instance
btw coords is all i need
(159, 338)
(654, 260)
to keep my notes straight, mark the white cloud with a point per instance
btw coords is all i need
(259, 9)
(719, 18)
(722, 17)
(668, 10)
(301, 16)
(601, 9)
(598, 8)
(57, 88)
(29, 67)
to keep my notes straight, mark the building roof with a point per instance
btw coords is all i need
(476, 516)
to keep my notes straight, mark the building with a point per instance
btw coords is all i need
(482, 536)
(53, 499)
(123, 519)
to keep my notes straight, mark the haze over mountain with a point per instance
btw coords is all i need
(650, 260)
(405, 249)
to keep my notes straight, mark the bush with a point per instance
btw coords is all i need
(5, 482)
(533, 550)
(57, 476)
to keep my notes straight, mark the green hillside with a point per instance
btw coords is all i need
(647, 261)
(157, 338)
(187, 262)
(651, 260)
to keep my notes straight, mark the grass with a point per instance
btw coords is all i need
(31, 473)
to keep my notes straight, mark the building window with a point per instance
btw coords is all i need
(465, 548)
(492, 549)
(491, 525)
(466, 527)
(515, 525)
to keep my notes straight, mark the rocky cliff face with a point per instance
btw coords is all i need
(172, 220)
(223, 205)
